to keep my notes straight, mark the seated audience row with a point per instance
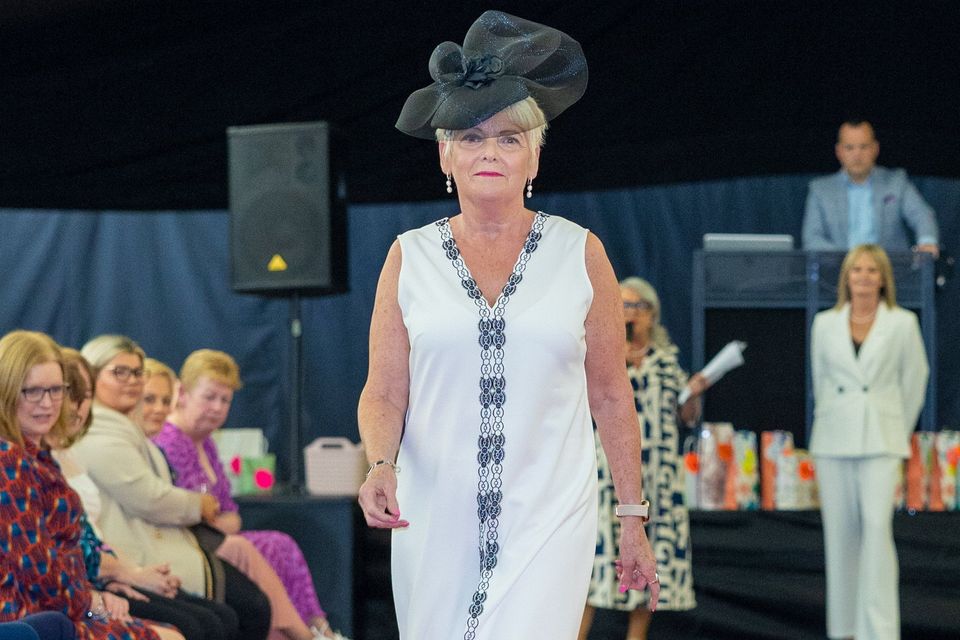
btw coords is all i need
(146, 548)
(42, 565)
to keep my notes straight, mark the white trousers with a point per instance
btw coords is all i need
(856, 502)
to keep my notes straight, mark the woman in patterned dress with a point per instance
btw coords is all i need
(42, 562)
(208, 379)
(496, 334)
(657, 380)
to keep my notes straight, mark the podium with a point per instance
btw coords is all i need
(769, 300)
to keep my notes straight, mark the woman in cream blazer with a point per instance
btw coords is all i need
(143, 515)
(869, 373)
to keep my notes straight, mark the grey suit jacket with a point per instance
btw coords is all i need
(866, 405)
(898, 208)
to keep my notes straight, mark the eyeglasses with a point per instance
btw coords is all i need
(35, 394)
(123, 373)
(506, 141)
(643, 304)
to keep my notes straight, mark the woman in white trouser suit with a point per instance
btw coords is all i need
(869, 379)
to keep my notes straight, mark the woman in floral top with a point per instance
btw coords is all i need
(41, 564)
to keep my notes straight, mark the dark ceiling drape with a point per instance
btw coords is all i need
(124, 104)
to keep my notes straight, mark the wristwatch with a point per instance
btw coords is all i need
(641, 510)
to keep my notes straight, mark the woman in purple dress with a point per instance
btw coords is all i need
(208, 380)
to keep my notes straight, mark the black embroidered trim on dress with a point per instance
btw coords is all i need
(491, 442)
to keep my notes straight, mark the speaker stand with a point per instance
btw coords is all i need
(295, 459)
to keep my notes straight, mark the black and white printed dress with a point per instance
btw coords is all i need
(519, 473)
(656, 384)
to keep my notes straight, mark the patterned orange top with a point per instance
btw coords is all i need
(41, 561)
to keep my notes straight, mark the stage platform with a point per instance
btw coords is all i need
(758, 575)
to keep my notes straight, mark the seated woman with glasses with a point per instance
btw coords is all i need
(42, 566)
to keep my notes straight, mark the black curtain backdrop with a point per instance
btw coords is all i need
(123, 104)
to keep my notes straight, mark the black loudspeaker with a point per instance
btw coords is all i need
(288, 218)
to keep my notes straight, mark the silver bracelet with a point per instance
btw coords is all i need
(100, 611)
(376, 464)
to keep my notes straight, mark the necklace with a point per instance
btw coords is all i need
(855, 319)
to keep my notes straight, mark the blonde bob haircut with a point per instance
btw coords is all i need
(214, 365)
(525, 114)
(888, 290)
(101, 350)
(20, 351)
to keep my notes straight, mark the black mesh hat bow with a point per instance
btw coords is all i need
(503, 60)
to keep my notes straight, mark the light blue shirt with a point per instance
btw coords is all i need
(861, 225)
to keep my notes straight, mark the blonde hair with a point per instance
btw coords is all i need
(20, 351)
(888, 290)
(101, 350)
(152, 367)
(659, 336)
(218, 366)
(526, 114)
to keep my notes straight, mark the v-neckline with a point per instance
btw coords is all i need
(467, 279)
(857, 353)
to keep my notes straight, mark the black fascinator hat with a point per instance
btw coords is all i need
(503, 60)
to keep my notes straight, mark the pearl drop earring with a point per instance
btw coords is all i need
(530, 188)
(449, 184)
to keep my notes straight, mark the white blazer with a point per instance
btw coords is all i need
(866, 405)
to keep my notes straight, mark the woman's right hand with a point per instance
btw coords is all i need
(116, 608)
(209, 508)
(378, 499)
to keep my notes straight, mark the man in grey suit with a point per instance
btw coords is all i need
(863, 203)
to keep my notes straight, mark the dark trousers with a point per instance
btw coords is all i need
(251, 605)
(48, 625)
(196, 618)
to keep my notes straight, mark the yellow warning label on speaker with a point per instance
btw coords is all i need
(277, 263)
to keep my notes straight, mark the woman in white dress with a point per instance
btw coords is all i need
(496, 334)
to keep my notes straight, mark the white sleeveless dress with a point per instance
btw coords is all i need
(539, 487)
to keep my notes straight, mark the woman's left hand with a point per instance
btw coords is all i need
(117, 607)
(209, 508)
(637, 568)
